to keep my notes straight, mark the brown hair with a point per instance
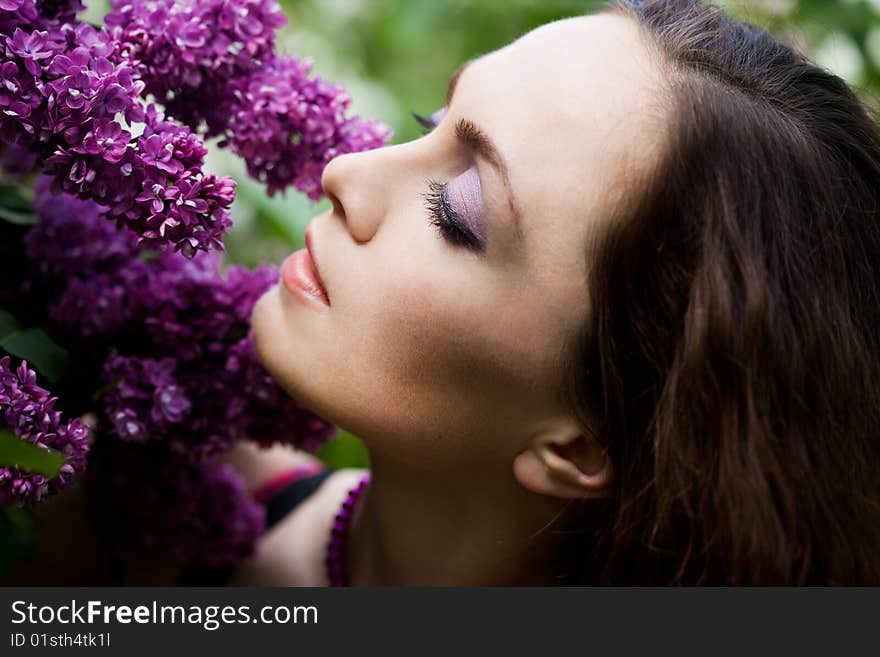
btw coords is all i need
(732, 358)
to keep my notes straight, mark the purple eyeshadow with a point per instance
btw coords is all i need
(466, 199)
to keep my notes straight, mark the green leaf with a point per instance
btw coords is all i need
(13, 197)
(34, 346)
(15, 208)
(18, 217)
(8, 324)
(345, 450)
(17, 452)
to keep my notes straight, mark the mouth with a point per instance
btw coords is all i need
(301, 276)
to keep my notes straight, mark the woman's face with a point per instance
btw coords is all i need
(443, 342)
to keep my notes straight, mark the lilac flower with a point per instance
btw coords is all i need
(262, 402)
(82, 265)
(164, 309)
(62, 92)
(186, 52)
(44, 65)
(17, 163)
(72, 238)
(202, 320)
(144, 399)
(107, 139)
(27, 410)
(169, 365)
(155, 193)
(213, 63)
(287, 126)
(192, 311)
(186, 150)
(195, 512)
(157, 151)
(63, 11)
(95, 306)
(33, 49)
(36, 14)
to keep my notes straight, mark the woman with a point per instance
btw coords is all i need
(613, 320)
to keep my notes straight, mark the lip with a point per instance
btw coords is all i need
(301, 276)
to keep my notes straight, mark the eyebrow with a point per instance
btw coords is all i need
(475, 139)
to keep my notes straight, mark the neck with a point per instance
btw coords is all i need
(428, 528)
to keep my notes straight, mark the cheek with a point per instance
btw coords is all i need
(461, 359)
(433, 360)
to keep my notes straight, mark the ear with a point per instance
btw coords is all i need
(571, 465)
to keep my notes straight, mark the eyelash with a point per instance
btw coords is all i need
(450, 225)
(426, 122)
(444, 218)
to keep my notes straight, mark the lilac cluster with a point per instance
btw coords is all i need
(202, 387)
(170, 365)
(71, 240)
(64, 93)
(189, 511)
(265, 399)
(70, 94)
(17, 163)
(186, 52)
(206, 389)
(194, 312)
(287, 126)
(212, 63)
(185, 372)
(182, 205)
(36, 14)
(27, 410)
(87, 264)
(180, 384)
(62, 11)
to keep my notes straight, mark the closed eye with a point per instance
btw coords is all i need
(452, 228)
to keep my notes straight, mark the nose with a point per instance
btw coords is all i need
(352, 184)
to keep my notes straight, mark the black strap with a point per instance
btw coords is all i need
(287, 498)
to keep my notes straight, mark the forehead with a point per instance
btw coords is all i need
(571, 106)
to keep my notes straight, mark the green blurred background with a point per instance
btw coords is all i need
(395, 57)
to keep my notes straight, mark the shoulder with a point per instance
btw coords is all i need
(259, 465)
(292, 552)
